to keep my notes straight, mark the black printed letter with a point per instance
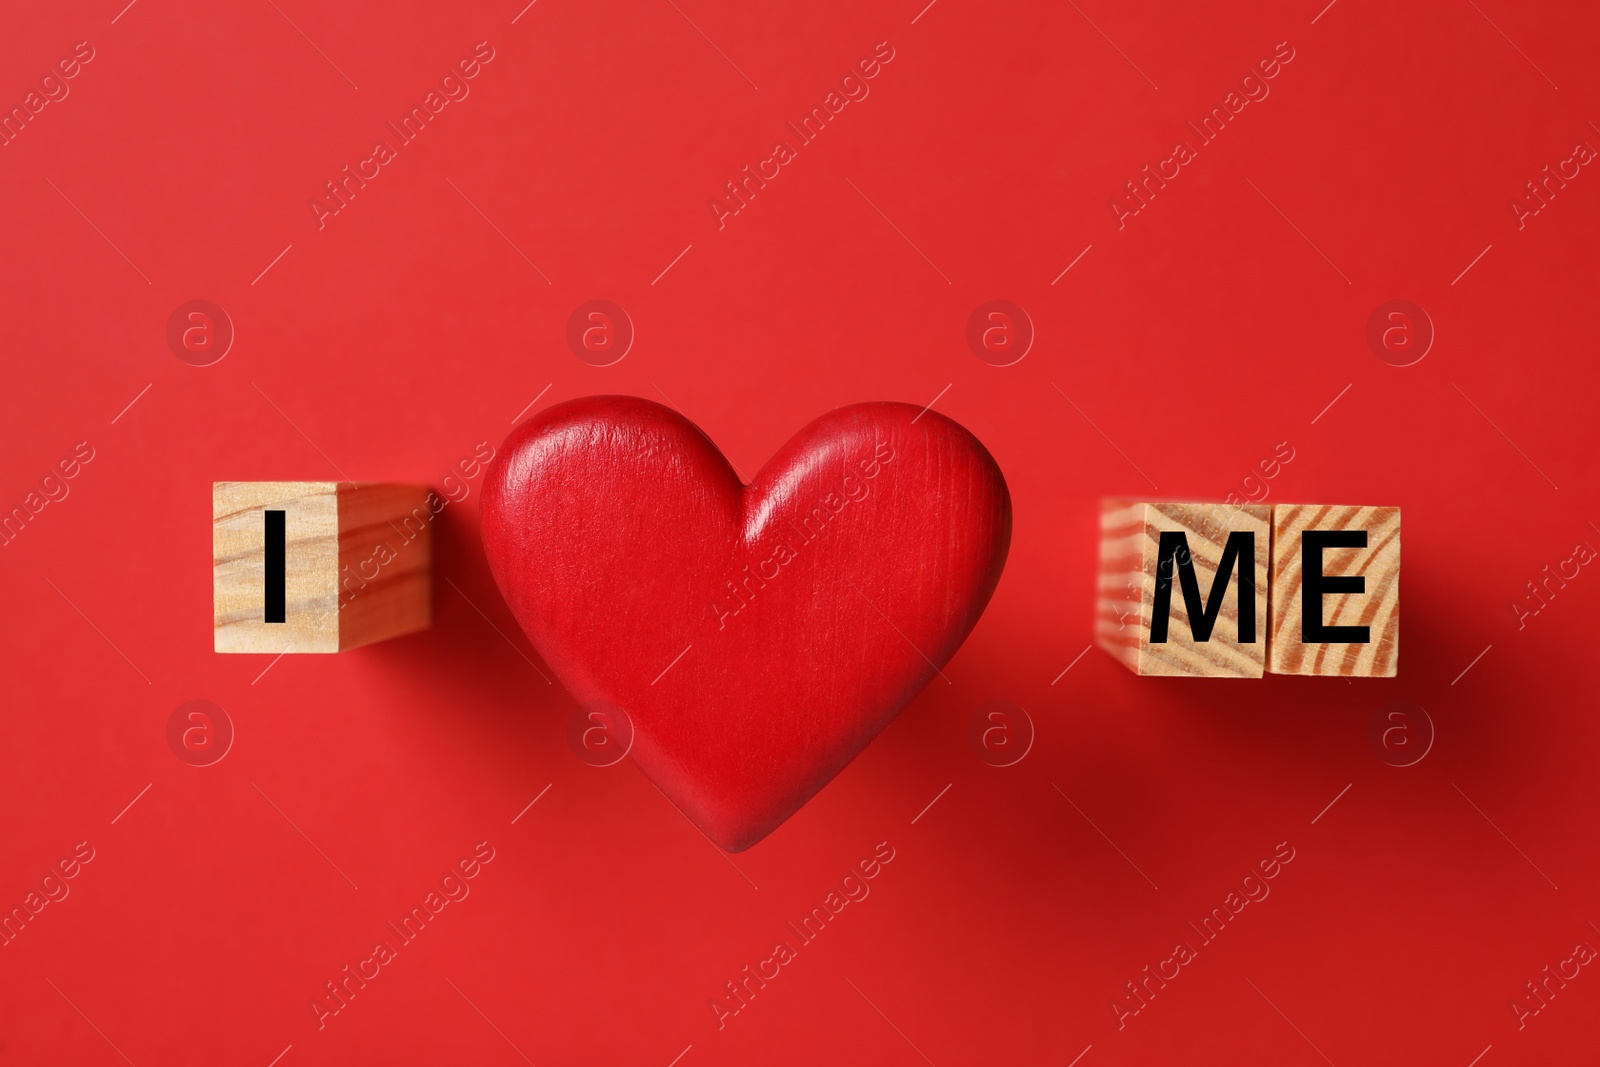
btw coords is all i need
(1173, 555)
(1313, 584)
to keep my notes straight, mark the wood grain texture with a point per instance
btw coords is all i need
(357, 564)
(757, 636)
(1377, 607)
(1129, 545)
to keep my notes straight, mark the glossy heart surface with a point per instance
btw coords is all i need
(757, 637)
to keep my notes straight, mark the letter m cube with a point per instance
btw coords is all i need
(1183, 587)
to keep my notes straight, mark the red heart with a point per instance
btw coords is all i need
(758, 636)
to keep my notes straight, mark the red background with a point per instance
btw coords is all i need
(1196, 338)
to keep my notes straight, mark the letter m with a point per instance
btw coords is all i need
(1173, 557)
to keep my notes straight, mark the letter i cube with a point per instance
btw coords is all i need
(318, 566)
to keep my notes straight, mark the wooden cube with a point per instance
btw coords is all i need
(1183, 587)
(319, 566)
(1335, 591)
